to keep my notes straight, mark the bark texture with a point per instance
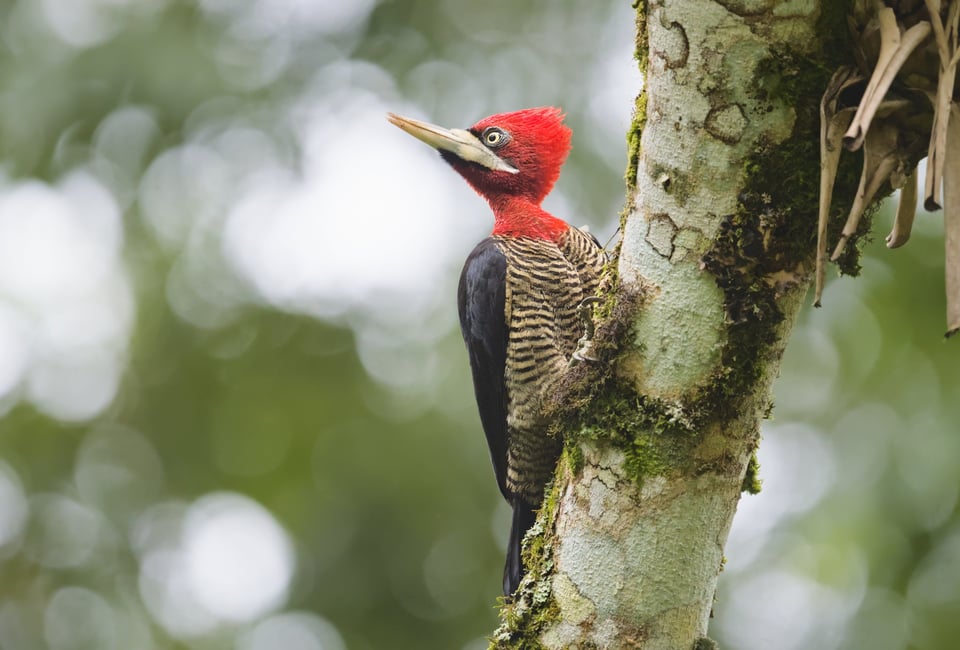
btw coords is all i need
(717, 254)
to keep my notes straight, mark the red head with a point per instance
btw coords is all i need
(510, 159)
(534, 141)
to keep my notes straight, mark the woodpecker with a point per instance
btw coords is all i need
(520, 296)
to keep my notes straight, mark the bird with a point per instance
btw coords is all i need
(520, 298)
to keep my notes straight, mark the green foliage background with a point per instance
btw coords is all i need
(387, 493)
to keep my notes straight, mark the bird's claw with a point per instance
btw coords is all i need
(586, 351)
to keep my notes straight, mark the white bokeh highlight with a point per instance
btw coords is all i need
(292, 631)
(369, 218)
(222, 560)
(239, 559)
(776, 608)
(66, 306)
(797, 469)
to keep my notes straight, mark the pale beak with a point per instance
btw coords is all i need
(462, 144)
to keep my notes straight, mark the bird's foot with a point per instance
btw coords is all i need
(586, 350)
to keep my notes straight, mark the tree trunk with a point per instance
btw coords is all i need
(716, 257)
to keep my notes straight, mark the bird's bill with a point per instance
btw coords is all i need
(462, 144)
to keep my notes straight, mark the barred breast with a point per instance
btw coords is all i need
(545, 284)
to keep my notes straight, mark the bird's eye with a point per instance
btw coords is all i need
(494, 137)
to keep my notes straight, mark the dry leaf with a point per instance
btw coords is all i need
(946, 39)
(906, 211)
(895, 48)
(951, 224)
(834, 120)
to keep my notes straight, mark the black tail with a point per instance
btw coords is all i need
(523, 517)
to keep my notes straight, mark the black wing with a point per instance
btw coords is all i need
(481, 299)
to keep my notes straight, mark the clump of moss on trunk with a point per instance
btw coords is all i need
(767, 247)
(634, 147)
(594, 403)
(639, 119)
(533, 608)
(751, 479)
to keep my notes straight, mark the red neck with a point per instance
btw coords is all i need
(520, 217)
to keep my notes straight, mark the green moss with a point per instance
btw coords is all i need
(574, 457)
(705, 643)
(751, 480)
(767, 246)
(642, 42)
(646, 458)
(533, 608)
(524, 629)
(639, 120)
(789, 173)
(594, 403)
(609, 284)
(634, 137)
(837, 47)
(656, 437)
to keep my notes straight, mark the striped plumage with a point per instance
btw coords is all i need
(519, 297)
(544, 282)
(545, 285)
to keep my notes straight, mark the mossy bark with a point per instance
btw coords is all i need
(716, 257)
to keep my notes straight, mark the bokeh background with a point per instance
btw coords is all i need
(235, 411)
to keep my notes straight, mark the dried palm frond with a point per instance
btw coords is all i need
(834, 120)
(908, 53)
